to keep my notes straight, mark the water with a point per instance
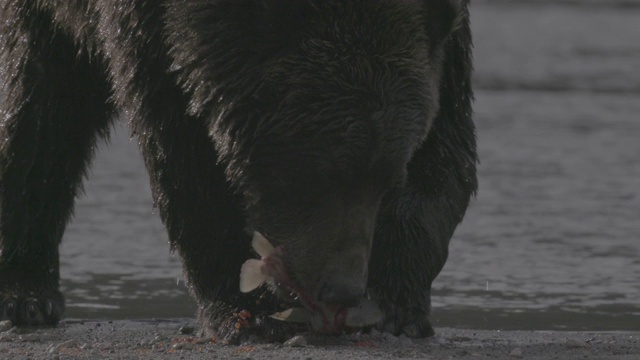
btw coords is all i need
(552, 240)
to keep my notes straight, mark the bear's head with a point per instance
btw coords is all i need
(315, 108)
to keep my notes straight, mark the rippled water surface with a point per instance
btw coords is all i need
(552, 240)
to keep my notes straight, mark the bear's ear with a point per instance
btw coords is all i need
(443, 17)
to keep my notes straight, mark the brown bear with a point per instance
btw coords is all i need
(339, 130)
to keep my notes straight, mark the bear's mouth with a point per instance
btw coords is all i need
(328, 318)
(323, 317)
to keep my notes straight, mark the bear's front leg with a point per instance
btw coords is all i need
(410, 248)
(407, 255)
(416, 221)
(203, 215)
(54, 106)
(207, 226)
(29, 293)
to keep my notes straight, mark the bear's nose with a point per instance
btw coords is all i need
(346, 295)
(344, 279)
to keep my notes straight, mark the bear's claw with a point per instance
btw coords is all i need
(43, 308)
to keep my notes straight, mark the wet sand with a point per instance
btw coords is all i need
(158, 339)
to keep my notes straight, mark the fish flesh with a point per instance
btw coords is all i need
(330, 320)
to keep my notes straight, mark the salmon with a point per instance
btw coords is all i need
(322, 317)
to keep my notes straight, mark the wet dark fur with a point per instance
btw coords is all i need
(185, 73)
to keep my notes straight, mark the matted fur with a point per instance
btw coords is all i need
(340, 129)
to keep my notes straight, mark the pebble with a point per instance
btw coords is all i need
(438, 340)
(5, 325)
(516, 352)
(70, 343)
(54, 349)
(187, 330)
(144, 343)
(389, 337)
(404, 341)
(157, 339)
(30, 338)
(106, 347)
(296, 341)
(6, 337)
(573, 344)
(203, 340)
(183, 346)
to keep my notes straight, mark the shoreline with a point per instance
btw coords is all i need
(176, 338)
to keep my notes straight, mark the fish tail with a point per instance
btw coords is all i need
(252, 275)
(261, 245)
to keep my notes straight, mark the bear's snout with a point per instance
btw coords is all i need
(344, 278)
(345, 295)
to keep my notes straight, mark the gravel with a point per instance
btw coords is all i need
(164, 339)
